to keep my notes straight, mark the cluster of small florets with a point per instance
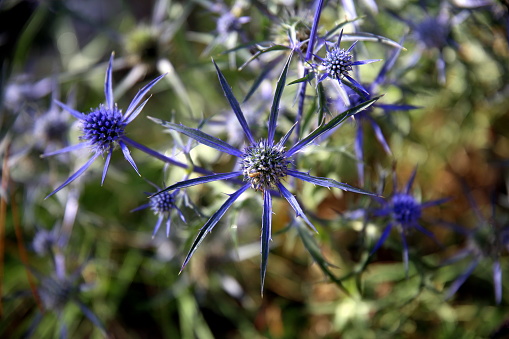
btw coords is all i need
(162, 204)
(264, 166)
(337, 62)
(405, 210)
(102, 127)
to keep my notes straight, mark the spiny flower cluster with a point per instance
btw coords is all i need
(405, 210)
(338, 62)
(264, 166)
(103, 128)
(162, 204)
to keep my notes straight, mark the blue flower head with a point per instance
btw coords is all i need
(162, 205)
(264, 165)
(339, 62)
(103, 129)
(404, 213)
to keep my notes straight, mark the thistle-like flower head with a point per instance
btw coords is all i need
(264, 164)
(405, 209)
(338, 62)
(163, 205)
(103, 129)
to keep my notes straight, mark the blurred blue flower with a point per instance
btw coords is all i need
(264, 165)
(162, 205)
(229, 23)
(103, 129)
(433, 33)
(58, 290)
(404, 212)
(485, 242)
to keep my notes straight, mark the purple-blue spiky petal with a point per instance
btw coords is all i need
(200, 180)
(128, 157)
(201, 137)
(461, 279)
(266, 235)
(295, 205)
(326, 182)
(383, 237)
(214, 219)
(108, 85)
(139, 96)
(234, 104)
(106, 166)
(75, 113)
(66, 149)
(75, 175)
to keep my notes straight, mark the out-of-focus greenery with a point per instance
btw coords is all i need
(458, 139)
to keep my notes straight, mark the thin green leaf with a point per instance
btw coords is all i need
(363, 36)
(313, 249)
(263, 51)
(310, 76)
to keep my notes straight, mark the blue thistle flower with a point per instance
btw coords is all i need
(162, 205)
(265, 164)
(404, 213)
(338, 63)
(103, 129)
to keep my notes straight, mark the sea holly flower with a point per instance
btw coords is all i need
(486, 242)
(264, 165)
(339, 62)
(162, 205)
(404, 212)
(103, 129)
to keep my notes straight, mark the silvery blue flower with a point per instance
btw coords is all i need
(103, 129)
(264, 165)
